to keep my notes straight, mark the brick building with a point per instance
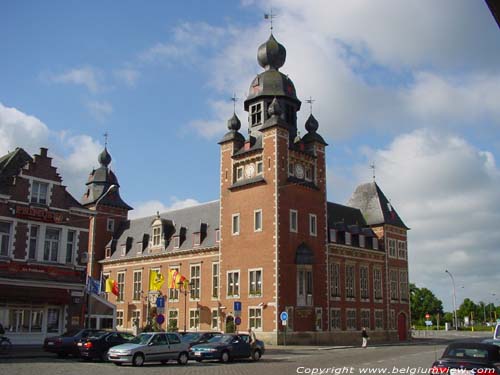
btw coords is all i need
(43, 245)
(271, 241)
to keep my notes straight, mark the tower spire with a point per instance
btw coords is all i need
(234, 99)
(310, 101)
(106, 135)
(270, 16)
(372, 167)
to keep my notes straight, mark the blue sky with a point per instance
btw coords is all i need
(412, 86)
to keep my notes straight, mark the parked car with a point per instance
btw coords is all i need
(151, 346)
(226, 347)
(67, 342)
(96, 346)
(195, 338)
(468, 357)
(492, 341)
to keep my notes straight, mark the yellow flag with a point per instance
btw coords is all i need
(156, 280)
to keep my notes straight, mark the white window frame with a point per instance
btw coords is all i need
(120, 315)
(403, 286)
(35, 193)
(234, 285)
(333, 235)
(257, 216)
(256, 114)
(217, 235)
(379, 318)
(257, 285)
(51, 242)
(313, 225)
(194, 319)
(123, 250)
(136, 286)
(8, 238)
(393, 282)
(170, 318)
(30, 239)
(215, 280)
(402, 253)
(238, 224)
(335, 317)
(365, 317)
(73, 246)
(215, 317)
(239, 173)
(259, 168)
(294, 221)
(135, 314)
(255, 316)
(364, 283)
(303, 297)
(348, 238)
(335, 289)
(195, 282)
(377, 284)
(197, 239)
(392, 248)
(121, 287)
(177, 242)
(156, 236)
(350, 319)
(350, 281)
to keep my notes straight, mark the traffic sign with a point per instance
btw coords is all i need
(428, 323)
(160, 302)
(427, 316)
(237, 321)
(284, 316)
(237, 306)
(160, 318)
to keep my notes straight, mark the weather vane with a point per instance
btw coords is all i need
(269, 16)
(234, 99)
(372, 166)
(106, 135)
(310, 101)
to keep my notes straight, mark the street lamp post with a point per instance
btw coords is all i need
(454, 299)
(92, 253)
(182, 285)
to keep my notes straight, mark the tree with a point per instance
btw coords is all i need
(423, 301)
(467, 308)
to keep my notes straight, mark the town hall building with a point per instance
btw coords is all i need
(271, 243)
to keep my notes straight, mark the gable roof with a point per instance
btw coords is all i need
(375, 206)
(182, 222)
(340, 214)
(10, 166)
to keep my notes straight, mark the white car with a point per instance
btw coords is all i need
(496, 335)
(151, 347)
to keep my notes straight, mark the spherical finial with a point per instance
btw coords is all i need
(274, 109)
(271, 54)
(312, 124)
(234, 123)
(104, 158)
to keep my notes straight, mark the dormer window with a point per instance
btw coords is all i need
(157, 236)
(333, 235)
(255, 114)
(123, 250)
(177, 242)
(196, 239)
(108, 252)
(361, 240)
(239, 173)
(217, 235)
(347, 238)
(39, 192)
(260, 167)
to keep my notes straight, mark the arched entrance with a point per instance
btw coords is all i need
(230, 326)
(402, 327)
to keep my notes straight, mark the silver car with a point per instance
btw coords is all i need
(150, 347)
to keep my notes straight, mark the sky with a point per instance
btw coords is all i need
(411, 86)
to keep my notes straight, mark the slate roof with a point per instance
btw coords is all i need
(374, 205)
(340, 214)
(10, 166)
(184, 222)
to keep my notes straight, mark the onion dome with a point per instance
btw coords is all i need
(234, 123)
(312, 124)
(104, 158)
(271, 54)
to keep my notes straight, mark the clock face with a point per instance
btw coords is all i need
(249, 171)
(299, 171)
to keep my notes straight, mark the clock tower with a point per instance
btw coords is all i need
(273, 208)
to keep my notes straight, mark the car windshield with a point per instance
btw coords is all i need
(222, 338)
(458, 352)
(189, 337)
(143, 339)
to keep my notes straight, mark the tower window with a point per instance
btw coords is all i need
(239, 173)
(110, 225)
(256, 114)
(293, 221)
(313, 231)
(260, 167)
(236, 224)
(257, 221)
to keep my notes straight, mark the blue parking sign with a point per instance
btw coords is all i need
(160, 302)
(237, 306)
(284, 316)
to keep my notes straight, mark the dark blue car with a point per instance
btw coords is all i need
(226, 347)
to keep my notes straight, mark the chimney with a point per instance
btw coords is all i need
(43, 152)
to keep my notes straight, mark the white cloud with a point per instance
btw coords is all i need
(74, 155)
(128, 76)
(85, 76)
(149, 208)
(100, 110)
(446, 190)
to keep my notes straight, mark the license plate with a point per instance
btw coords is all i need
(50, 343)
(197, 354)
(114, 356)
(79, 344)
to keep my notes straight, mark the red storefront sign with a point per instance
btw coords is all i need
(15, 267)
(39, 214)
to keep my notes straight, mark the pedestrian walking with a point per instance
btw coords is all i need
(253, 338)
(365, 337)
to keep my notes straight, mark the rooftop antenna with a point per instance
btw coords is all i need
(270, 16)
(106, 135)
(310, 101)
(234, 99)
(372, 166)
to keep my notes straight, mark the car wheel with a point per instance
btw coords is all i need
(183, 358)
(256, 355)
(224, 357)
(138, 359)
(104, 356)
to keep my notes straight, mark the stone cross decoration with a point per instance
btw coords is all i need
(270, 16)
(106, 135)
(234, 99)
(310, 101)
(372, 166)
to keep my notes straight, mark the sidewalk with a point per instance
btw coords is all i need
(27, 351)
